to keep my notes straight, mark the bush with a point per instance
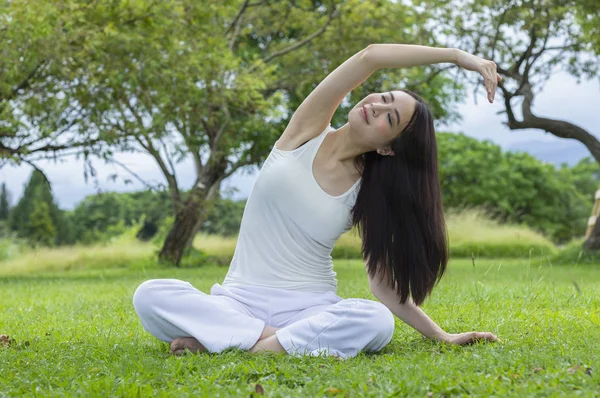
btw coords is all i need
(164, 226)
(573, 253)
(11, 247)
(517, 187)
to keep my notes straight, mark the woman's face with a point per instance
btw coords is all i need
(380, 117)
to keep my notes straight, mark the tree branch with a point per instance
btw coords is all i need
(171, 179)
(236, 22)
(238, 16)
(25, 83)
(527, 53)
(38, 170)
(332, 14)
(127, 169)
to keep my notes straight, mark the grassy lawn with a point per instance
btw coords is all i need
(76, 333)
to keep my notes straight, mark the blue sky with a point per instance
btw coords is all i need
(561, 98)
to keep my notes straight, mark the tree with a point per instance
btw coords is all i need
(23, 220)
(40, 228)
(218, 82)
(46, 47)
(4, 203)
(529, 40)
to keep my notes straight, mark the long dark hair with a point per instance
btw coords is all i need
(399, 210)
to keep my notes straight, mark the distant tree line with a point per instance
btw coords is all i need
(512, 187)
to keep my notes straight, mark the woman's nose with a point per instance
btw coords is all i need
(377, 107)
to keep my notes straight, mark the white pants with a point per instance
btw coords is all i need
(311, 323)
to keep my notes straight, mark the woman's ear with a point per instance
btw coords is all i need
(386, 152)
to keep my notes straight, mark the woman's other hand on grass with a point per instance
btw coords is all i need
(468, 337)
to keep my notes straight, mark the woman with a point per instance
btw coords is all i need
(378, 172)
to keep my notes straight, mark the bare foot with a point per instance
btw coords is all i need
(270, 344)
(268, 331)
(179, 345)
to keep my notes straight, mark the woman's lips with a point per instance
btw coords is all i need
(364, 113)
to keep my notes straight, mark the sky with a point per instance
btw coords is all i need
(560, 98)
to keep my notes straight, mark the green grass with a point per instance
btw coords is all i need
(77, 334)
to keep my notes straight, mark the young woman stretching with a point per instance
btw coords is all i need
(379, 172)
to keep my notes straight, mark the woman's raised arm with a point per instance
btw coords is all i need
(316, 111)
(406, 55)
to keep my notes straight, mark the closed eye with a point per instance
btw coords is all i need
(389, 116)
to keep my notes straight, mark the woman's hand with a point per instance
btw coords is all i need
(484, 67)
(468, 338)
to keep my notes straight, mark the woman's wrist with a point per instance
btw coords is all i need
(441, 335)
(455, 53)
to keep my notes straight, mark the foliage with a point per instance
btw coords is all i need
(46, 48)
(103, 216)
(516, 187)
(96, 214)
(217, 82)
(513, 188)
(40, 228)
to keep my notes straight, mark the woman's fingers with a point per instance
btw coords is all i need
(472, 337)
(485, 336)
(493, 87)
(490, 78)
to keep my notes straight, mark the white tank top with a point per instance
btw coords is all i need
(290, 225)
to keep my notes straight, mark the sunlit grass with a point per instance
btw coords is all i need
(215, 245)
(115, 254)
(473, 231)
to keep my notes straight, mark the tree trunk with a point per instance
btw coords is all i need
(187, 223)
(593, 241)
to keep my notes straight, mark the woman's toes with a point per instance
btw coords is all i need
(178, 352)
(179, 345)
(176, 345)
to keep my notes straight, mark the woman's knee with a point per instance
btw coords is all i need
(379, 323)
(383, 322)
(148, 294)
